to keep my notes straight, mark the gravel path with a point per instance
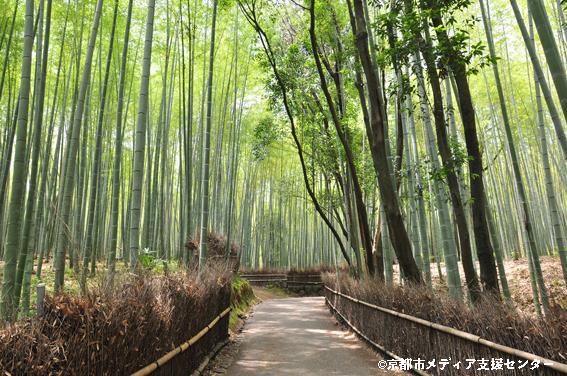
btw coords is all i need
(298, 336)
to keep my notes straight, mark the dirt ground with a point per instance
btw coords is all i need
(294, 336)
(518, 276)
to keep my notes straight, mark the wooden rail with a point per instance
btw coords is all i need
(262, 279)
(289, 280)
(379, 347)
(254, 275)
(548, 363)
(147, 370)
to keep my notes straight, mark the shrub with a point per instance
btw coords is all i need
(216, 249)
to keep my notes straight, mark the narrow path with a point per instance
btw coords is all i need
(298, 336)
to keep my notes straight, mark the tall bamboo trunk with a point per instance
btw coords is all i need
(140, 141)
(389, 199)
(204, 225)
(116, 168)
(7, 304)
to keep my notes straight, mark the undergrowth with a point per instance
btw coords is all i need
(242, 297)
(280, 292)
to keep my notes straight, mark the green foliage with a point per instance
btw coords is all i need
(270, 204)
(459, 155)
(148, 261)
(225, 5)
(459, 158)
(241, 299)
(266, 132)
(280, 292)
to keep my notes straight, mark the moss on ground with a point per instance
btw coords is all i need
(241, 299)
(280, 292)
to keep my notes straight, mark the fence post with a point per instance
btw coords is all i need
(40, 298)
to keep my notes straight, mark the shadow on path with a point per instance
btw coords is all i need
(298, 336)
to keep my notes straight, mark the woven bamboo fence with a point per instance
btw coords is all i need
(401, 336)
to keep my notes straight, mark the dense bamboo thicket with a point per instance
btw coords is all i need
(125, 135)
(350, 134)
(429, 133)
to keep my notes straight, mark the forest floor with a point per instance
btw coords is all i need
(73, 277)
(272, 292)
(517, 272)
(518, 276)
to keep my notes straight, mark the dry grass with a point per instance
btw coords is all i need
(121, 330)
(489, 319)
(216, 247)
(520, 288)
(518, 277)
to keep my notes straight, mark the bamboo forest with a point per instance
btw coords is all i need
(283, 187)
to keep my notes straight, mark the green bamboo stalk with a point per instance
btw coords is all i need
(140, 141)
(7, 303)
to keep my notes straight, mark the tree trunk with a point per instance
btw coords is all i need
(204, 226)
(116, 169)
(450, 170)
(365, 235)
(398, 233)
(95, 179)
(7, 307)
(488, 274)
(140, 141)
(550, 49)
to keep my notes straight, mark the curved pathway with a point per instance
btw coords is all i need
(298, 336)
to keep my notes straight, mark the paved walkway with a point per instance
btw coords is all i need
(298, 336)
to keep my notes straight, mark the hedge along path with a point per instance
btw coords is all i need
(149, 369)
(547, 363)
